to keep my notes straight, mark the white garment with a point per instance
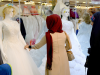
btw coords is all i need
(13, 46)
(33, 25)
(84, 36)
(77, 65)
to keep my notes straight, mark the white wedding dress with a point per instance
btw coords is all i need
(84, 36)
(77, 65)
(13, 46)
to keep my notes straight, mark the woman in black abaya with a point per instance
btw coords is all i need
(94, 58)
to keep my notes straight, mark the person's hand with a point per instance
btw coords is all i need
(27, 46)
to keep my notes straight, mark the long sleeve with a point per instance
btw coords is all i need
(68, 43)
(40, 44)
(1, 45)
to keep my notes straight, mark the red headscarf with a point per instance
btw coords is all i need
(54, 24)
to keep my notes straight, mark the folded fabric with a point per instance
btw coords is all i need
(5, 69)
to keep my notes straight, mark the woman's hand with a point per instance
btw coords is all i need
(27, 46)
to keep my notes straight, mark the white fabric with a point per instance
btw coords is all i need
(33, 25)
(77, 65)
(84, 36)
(58, 8)
(13, 46)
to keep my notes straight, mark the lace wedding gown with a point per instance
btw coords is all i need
(77, 65)
(13, 46)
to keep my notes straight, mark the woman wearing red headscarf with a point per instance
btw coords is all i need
(57, 60)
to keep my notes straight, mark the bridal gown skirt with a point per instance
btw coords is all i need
(19, 58)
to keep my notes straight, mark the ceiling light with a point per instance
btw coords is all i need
(77, 1)
(30, 2)
(39, 2)
(84, 2)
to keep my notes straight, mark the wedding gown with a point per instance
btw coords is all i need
(77, 65)
(84, 36)
(13, 46)
(33, 25)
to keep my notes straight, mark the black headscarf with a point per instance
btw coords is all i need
(95, 34)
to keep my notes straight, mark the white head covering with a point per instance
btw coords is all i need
(2, 8)
(58, 8)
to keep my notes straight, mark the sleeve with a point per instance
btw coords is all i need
(21, 37)
(40, 44)
(68, 43)
(1, 45)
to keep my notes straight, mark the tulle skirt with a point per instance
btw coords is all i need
(19, 58)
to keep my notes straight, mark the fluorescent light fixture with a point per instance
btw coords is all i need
(39, 2)
(84, 2)
(31, 2)
(77, 1)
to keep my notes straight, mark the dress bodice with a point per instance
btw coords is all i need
(10, 30)
(67, 26)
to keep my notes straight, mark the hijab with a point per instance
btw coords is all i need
(54, 24)
(95, 34)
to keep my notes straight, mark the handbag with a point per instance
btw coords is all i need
(68, 47)
(70, 55)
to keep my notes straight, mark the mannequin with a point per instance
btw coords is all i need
(85, 29)
(12, 45)
(78, 62)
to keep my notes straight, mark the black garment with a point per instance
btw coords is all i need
(22, 28)
(94, 59)
(1, 61)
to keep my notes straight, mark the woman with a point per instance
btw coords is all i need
(57, 60)
(94, 62)
(84, 33)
